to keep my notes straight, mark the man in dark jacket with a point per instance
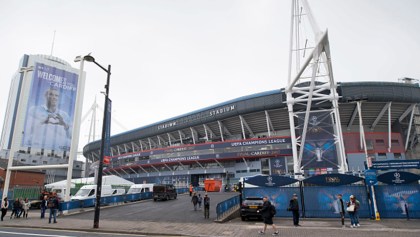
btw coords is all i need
(294, 208)
(267, 215)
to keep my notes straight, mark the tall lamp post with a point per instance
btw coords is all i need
(89, 58)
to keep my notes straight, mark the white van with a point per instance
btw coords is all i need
(140, 188)
(89, 191)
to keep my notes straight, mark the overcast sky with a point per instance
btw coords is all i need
(171, 57)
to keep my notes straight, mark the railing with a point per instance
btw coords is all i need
(110, 200)
(226, 206)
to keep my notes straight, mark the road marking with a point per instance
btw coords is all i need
(33, 234)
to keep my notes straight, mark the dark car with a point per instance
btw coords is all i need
(164, 192)
(250, 206)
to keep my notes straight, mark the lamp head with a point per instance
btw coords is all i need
(89, 58)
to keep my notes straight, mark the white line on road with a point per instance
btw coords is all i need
(33, 234)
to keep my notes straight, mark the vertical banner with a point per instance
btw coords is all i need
(51, 108)
(107, 149)
(278, 166)
(320, 154)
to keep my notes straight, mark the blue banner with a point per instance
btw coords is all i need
(332, 179)
(398, 177)
(398, 201)
(319, 154)
(269, 181)
(107, 149)
(396, 164)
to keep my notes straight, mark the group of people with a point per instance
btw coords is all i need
(268, 212)
(20, 207)
(352, 208)
(197, 200)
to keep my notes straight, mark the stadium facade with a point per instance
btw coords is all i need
(40, 114)
(251, 135)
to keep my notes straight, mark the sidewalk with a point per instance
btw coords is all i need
(310, 227)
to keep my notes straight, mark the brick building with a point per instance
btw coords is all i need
(21, 178)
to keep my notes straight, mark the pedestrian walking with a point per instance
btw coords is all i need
(4, 207)
(53, 206)
(294, 208)
(352, 208)
(15, 208)
(191, 190)
(206, 201)
(25, 208)
(341, 209)
(194, 201)
(267, 212)
(200, 199)
(44, 202)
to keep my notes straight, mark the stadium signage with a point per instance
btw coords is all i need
(166, 125)
(396, 164)
(259, 142)
(222, 110)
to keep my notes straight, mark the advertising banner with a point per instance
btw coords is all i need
(51, 107)
(319, 155)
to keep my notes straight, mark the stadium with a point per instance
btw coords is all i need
(251, 135)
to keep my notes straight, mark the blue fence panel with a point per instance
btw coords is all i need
(322, 201)
(65, 206)
(392, 199)
(222, 207)
(88, 202)
(182, 190)
(278, 196)
(147, 195)
(132, 197)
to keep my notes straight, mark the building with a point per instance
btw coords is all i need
(251, 135)
(26, 178)
(40, 114)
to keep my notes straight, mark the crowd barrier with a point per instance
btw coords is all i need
(227, 205)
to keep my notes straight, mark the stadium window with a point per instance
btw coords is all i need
(44, 162)
(381, 155)
(23, 160)
(380, 142)
(397, 156)
(369, 144)
(395, 142)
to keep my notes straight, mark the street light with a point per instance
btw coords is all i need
(89, 58)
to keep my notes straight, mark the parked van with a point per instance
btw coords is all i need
(164, 192)
(140, 188)
(89, 191)
(118, 191)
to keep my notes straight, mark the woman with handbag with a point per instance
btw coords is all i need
(352, 207)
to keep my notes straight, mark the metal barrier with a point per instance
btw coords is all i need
(110, 200)
(225, 207)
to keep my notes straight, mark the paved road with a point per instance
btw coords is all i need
(177, 218)
(15, 232)
(179, 210)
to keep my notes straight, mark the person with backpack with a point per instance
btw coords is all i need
(53, 206)
(268, 211)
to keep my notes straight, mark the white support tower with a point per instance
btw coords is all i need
(310, 83)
